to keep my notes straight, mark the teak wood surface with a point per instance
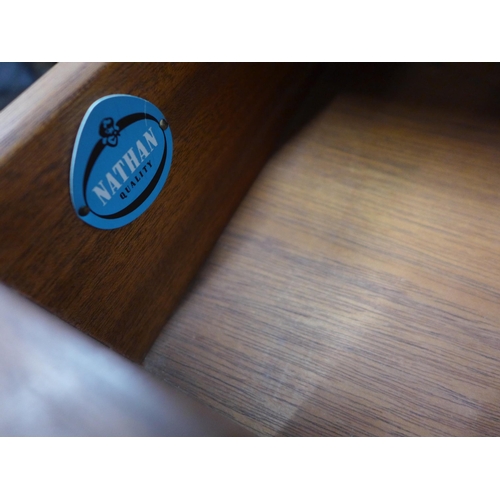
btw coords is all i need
(120, 286)
(356, 290)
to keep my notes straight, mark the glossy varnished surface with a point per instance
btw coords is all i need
(55, 381)
(356, 290)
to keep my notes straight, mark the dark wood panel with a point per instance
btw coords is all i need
(356, 290)
(121, 285)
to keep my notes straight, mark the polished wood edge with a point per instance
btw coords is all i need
(56, 381)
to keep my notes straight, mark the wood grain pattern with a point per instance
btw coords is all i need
(120, 286)
(55, 381)
(356, 290)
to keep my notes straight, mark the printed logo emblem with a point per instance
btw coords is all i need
(121, 160)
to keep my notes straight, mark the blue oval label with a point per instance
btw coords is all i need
(121, 160)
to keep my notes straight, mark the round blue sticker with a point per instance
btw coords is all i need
(121, 160)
